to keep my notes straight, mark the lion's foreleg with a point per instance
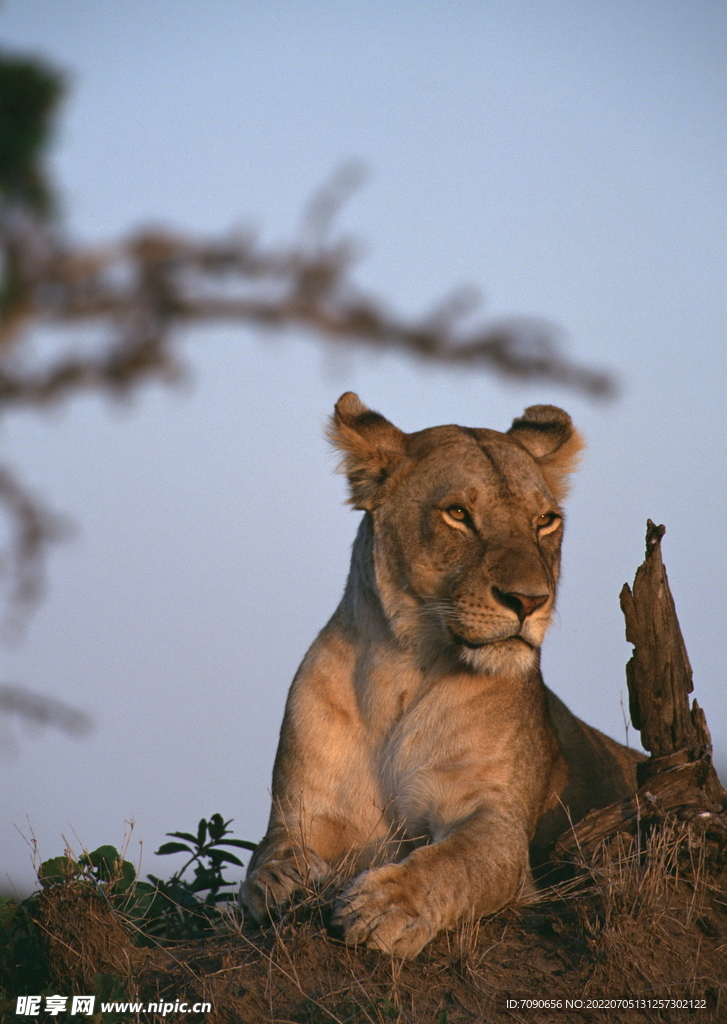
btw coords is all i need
(321, 782)
(475, 870)
(308, 844)
(283, 865)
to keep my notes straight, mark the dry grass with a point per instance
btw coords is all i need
(643, 918)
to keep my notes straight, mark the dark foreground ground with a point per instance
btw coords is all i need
(639, 934)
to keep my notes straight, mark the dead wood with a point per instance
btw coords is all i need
(659, 674)
(678, 780)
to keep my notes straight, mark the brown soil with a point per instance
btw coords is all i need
(646, 926)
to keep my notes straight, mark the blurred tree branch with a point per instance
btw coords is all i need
(42, 710)
(139, 291)
(136, 293)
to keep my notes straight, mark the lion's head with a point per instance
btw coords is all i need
(467, 527)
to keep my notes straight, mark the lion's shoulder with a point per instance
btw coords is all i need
(595, 771)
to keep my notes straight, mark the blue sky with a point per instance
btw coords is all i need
(566, 159)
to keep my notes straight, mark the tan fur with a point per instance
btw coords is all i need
(421, 755)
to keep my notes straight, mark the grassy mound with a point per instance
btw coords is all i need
(637, 933)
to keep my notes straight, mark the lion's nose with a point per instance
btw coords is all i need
(522, 604)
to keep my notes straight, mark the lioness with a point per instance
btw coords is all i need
(421, 756)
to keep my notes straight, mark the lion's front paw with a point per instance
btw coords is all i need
(272, 885)
(380, 909)
(267, 889)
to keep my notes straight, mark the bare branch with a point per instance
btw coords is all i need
(139, 292)
(134, 295)
(42, 710)
(33, 528)
(326, 202)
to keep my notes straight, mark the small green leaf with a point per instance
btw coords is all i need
(104, 853)
(106, 860)
(173, 848)
(199, 885)
(243, 844)
(229, 858)
(218, 826)
(143, 887)
(57, 869)
(128, 875)
(184, 835)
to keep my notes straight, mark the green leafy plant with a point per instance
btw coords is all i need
(180, 909)
(156, 910)
(105, 866)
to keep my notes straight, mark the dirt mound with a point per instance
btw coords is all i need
(638, 934)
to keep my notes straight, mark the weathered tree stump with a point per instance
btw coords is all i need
(659, 674)
(678, 780)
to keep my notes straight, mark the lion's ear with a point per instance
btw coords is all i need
(549, 435)
(371, 447)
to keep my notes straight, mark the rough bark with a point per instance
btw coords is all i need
(659, 674)
(678, 780)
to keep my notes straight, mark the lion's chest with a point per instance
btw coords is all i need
(450, 752)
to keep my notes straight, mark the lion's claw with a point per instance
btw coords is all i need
(378, 910)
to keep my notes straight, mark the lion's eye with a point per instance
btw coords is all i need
(458, 513)
(548, 521)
